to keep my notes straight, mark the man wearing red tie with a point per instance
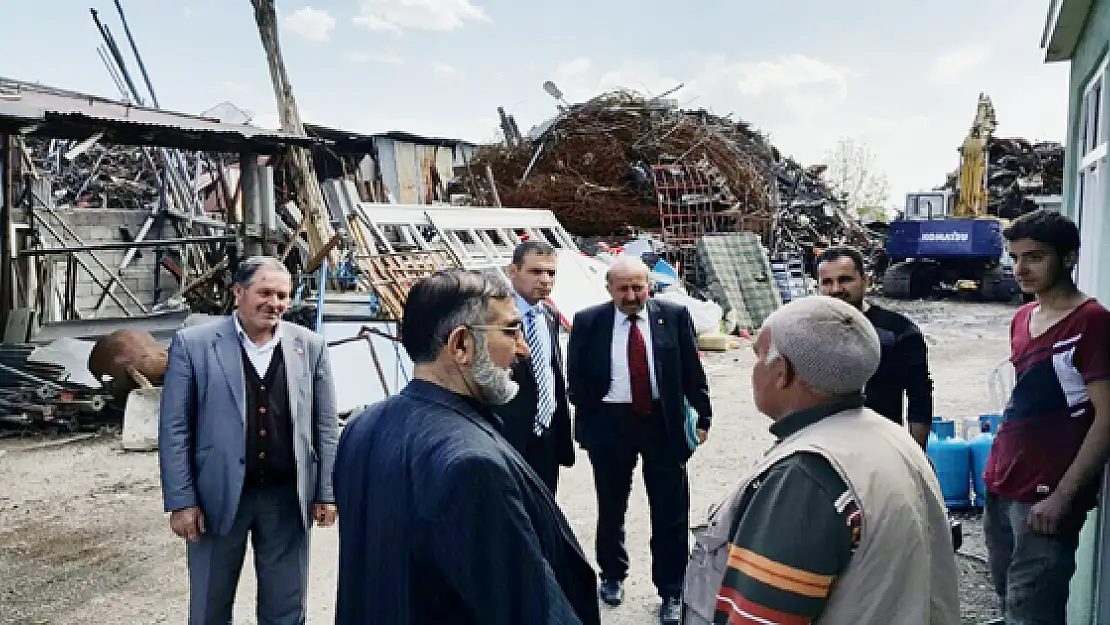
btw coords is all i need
(632, 371)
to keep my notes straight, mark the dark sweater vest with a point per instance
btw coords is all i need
(270, 457)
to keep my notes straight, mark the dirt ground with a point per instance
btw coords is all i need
(83, 538)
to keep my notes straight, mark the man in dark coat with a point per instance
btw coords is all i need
(443, 521)
(537, 420)
(639, 389)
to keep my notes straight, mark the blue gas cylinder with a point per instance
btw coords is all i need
(951, 458)
(933, 430)
(980, 450)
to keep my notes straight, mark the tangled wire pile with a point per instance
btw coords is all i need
(594, 166)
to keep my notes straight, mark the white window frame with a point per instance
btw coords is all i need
(1092, 153)
(1092, 160)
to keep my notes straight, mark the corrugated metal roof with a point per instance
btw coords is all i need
(362, 140)
(56, 110)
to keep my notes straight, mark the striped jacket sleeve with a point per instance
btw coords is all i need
(796, 534)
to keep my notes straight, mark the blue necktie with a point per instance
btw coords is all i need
(545, 399)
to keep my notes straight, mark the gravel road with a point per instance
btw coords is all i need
(83, 538)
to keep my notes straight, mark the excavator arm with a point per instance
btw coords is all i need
(971, 182)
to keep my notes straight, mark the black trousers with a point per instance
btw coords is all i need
(668, 494)
(541, 453)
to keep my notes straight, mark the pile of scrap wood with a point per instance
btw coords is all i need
(592, 167)
(1017, 171)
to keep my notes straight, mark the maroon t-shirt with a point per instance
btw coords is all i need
(1049, 411)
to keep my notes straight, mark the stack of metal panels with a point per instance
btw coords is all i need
(739, 277)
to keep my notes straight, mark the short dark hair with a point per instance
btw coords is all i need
(248, 267)
(843, 251)
(1048, 227)
(543, 248)
(439, 303)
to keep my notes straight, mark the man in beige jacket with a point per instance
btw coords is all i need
(842, 521)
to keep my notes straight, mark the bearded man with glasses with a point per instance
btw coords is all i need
(444, 522)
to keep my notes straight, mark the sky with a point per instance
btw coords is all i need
(900, 77)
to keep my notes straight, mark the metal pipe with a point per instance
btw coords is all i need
(113, 73)
(83, 266)
(321, 289)
(138, 58)
(122, 245)
(114, 49)
(114, 276)
(5, 225)
(29, 377)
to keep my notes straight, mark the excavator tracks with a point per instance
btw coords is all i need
(898, 281)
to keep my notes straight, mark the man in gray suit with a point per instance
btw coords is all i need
(247, 442)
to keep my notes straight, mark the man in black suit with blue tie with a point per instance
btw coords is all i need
(537, 420)
(632, 370)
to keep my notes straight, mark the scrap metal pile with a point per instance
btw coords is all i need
(101, 176)
(1018, 170)
(592, 166)
(112, 176)
(811, 213)
(37, 392)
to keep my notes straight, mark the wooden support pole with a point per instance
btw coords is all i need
(302, 171)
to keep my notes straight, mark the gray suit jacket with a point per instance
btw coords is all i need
(202, 438)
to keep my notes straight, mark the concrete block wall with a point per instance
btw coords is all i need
(102, 226)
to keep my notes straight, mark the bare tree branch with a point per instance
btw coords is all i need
(852, 170)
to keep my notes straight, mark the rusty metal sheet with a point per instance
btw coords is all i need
(406, 162)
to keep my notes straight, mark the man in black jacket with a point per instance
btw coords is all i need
(443, 520)
(537, 420)
(904, 366)
(632, 370)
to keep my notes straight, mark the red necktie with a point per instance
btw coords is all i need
(638, 372)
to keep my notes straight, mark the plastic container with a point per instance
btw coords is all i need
(933, 430)
(951, 456)
(980, 445)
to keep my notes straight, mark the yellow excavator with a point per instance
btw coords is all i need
(972, 177)
(948, 239)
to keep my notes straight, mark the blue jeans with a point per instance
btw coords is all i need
(1031, 572)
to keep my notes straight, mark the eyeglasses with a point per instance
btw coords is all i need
(513, 331)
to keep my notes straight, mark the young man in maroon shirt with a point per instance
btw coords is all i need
(1045, 467)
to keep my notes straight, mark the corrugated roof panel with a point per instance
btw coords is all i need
(23, 101)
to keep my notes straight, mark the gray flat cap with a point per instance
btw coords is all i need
(832, 346)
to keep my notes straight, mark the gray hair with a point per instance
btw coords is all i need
(248, 267)
(830, 344)
(438, 304)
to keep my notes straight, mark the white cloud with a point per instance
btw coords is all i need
(310, 24)
(891, 126)
(804, 85)
(374, 58)
(579, 81)
(443, 69)
(573, 68)
(397, 15)
(953, 65)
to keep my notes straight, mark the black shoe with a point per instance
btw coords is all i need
(612, 592)
(670, 613)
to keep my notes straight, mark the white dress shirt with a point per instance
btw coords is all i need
(620, 383)
(260, 355)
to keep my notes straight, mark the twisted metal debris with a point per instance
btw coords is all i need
(591, 167)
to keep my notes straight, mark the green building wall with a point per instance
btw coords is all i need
(1094, 42)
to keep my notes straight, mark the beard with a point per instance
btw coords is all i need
(495, 384)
